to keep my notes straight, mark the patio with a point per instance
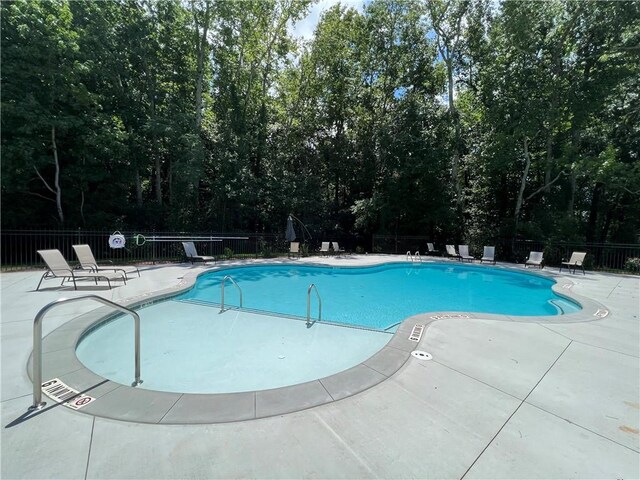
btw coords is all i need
(500, 399)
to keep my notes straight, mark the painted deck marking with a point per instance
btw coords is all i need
(62, 393)
(416, 332)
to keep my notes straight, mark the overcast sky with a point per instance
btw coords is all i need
(304, 28)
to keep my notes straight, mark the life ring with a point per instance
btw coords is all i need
(139, 239)
(117, 240)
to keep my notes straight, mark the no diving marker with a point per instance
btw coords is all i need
(62, 393)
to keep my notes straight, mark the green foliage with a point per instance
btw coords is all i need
(632, 264)
(452, 120)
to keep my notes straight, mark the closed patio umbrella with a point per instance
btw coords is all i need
(290, 234)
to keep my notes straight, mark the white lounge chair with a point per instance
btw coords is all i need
(88, 262)
(59, 268)
(294, 249)
(535, 260)
(489, 255)
(451, 251)
(324, 248)
(336, 248)
(192, 254)
(464, 253)
(576, 260)
(431, 250)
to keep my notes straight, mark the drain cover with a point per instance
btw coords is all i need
(421, 355)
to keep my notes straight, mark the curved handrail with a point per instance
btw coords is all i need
(309, 322)
(417, 256)
(409, 256)
(224, 280)
(37, 343)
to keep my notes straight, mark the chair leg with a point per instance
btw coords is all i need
(41, 279)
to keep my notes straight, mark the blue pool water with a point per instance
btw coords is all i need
(188, 346)
(194, 349)
(379, 297)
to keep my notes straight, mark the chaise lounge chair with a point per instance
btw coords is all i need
(489, 255)
(451, 251)
(336, 248)
(324, 248)
(576, 260)
(535, 259)
(294, 249)
(431, 250)
(88, 262)
(464, 253)
(59, 268)
(192, 254)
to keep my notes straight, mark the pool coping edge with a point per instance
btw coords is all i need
(124, 403)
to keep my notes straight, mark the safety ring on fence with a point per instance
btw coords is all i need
(140, 240)
(117, 240)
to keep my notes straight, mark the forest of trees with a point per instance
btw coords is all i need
(450, 119)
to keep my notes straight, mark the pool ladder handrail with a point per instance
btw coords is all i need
(37, 342)
(414, 257)
(309, 322)
(224, 280)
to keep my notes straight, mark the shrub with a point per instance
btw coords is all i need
(228, 253)
(632, 264)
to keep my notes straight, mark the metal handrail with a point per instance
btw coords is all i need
(224, 280)
(37, 343)
(414, 257)
(309, 322)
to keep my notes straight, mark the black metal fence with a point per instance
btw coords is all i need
(609, 257)
(19, 247)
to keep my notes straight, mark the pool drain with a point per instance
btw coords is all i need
(419, 354)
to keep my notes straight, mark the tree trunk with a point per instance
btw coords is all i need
(523, 182)
(548, 161)
(57, 177)
(158, 179)
(84, 223)
(572, 198)
(138, 190)
(593, 212)
(170, 181)
(455, 161)
(201, 51)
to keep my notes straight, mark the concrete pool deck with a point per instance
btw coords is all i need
(498, 400)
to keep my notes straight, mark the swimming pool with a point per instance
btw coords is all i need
(188, 346)
(194, 349)
(380, 297)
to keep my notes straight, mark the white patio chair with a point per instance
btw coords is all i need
(88, 262)
(59, 268)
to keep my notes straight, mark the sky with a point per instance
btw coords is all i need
(303, 29)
